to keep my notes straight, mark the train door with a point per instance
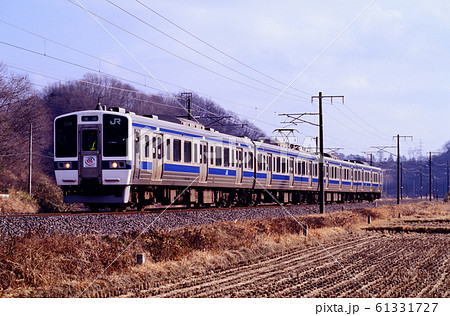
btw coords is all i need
(291, 171)
(90, 155)
(203, 177)
(157, 155)
(269, 169)
(239, 165)
(137, 154)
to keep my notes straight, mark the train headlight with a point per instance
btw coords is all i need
(118, 164)
(64, 165)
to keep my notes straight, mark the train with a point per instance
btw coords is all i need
(113, 158)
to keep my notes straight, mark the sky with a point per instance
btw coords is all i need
(260, 59)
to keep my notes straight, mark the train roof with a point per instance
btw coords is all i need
(189, 125)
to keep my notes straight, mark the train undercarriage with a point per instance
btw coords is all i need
(147, 197)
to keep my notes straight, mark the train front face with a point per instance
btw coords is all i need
(92, 156)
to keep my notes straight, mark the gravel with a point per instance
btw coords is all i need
(112, 224)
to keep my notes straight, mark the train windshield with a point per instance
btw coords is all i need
(66, 136)
(115, 135)
(89, 140)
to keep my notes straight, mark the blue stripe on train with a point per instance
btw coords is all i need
(181, 168)
(222, 172)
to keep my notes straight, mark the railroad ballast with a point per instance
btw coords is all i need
(117, 159)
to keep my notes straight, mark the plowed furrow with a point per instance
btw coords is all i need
(402, 265)
(254, 272)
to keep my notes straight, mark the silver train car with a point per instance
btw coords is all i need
(117, 159)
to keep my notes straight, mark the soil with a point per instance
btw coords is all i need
(373, 265)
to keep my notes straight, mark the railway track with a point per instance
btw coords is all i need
(182, 209)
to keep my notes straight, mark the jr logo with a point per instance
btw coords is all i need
(115, 121)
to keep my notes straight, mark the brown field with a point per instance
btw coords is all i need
(402, 253)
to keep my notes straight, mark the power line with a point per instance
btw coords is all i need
(175, 55)
(113, 64)
(217, 49)
(193, 49)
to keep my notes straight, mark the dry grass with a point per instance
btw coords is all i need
(18, 202)
(54, 265)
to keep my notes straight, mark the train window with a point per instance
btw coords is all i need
(168, 151)
(232, 157)
(187, 151)
(154, 147)
(160, 147)
(303, 168)
(218, 156)
(66, 136)
(204, 155)
(260, 161)
(245, 160)
(264, 163)
(226, 157)
(211, 153)
(89, 139)
(115, 135)
(195, 153)
(283, 165)
(147, 146)
(137, 141)
(176, 150)
(278, 165)
(250, 160)
(201, 154)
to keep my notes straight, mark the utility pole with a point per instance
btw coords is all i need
(448, 185)
(321, 170)
(187, 96)
(30, 159)
(371, 156)
(398, 163)
(297, 118)
(429, 171)
(421, 184)
(401, 181)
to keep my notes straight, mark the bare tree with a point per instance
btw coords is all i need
(20, 106)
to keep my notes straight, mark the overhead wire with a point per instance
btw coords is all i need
(176, 55)
(217, 49)
(118, 66)
(195, 50)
